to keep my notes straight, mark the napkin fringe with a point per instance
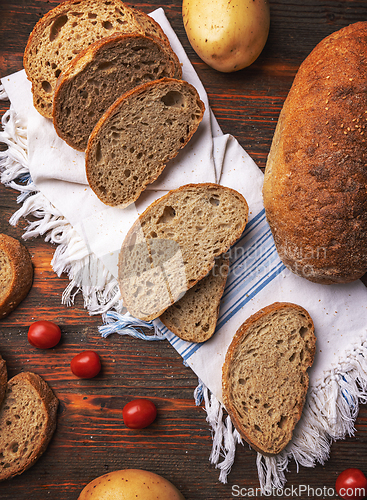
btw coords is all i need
(128, 325)
(3, 94)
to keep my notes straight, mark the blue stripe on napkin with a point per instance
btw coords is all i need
(254, 263)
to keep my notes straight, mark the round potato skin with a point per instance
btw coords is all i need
(130, 484)
(228, 36)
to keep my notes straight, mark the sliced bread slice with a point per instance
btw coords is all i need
(27, 423)
(174, 243)
(68, 29)
(194, 317)
(16, 273)
(133, 141)
(264, 377)
(102, 72)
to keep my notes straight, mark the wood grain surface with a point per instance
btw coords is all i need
(91, 438)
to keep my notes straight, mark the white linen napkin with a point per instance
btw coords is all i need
(338, 378)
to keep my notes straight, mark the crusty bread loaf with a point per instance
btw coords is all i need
(3, 379)
(132, 142)
(316, 175)
(102, 72)
(264, 377)
(16, 273)
(27, 423)
(194, 317)
(68, 29)
(174, 243)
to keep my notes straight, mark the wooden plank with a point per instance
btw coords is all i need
(91, 438)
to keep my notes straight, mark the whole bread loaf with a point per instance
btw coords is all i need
(174, 243)
(264, 376)
(102, 72)
(133, 141)
(27, 422)
(16, 273)
(194, 317)
(68, 29)
(315, 185)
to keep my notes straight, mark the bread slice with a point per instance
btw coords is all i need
(27, 423)
(132, 142)
(194, 317)
(68, 29)
(102, 72)
(3, 379)
(264, 378)
(16, 273)
(174, 243)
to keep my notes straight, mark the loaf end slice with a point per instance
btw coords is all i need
(68, 29)
(16, 273)
(102, 72)
(174, 243)
(194, 317)
(264, 376)
(136, 137)
(27, 422)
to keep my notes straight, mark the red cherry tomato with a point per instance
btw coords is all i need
(44, 334)
(139, 413)
(86, 364)
(351, 484)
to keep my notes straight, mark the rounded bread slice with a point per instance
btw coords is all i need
(174, 243)
(106, 69)
(264, 376)
(136, 137)
(194, 317)
(28, 418)
(16, 273)
(65, 31)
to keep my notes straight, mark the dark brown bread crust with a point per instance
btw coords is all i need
(227, 366)
(316, 175)
(50, 405)
(22, 274)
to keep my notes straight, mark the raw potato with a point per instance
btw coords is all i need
(130, 484)
(227, 35)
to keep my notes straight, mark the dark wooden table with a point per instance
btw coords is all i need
(91, 438)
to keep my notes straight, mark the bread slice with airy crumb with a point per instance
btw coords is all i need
(174, 244)
(264, 376)
(99, 74)
(28, 418)
(16, 274)
(194, 317)
(68, 29)
(136, 137)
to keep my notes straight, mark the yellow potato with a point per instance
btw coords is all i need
(227, 34)
(130, 484)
